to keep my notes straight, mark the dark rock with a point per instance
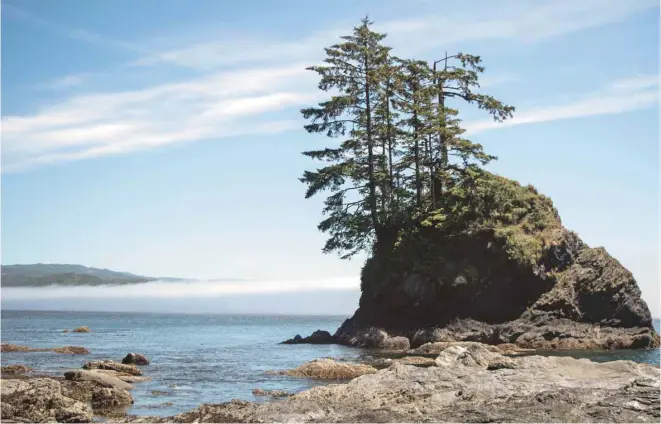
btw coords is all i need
(318, 337)
(135, 359)
(557, 294)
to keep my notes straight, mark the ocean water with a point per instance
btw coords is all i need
(194, 358)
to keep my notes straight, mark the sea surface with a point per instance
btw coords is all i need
(194, 358)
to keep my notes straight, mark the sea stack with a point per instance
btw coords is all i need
(510, 273)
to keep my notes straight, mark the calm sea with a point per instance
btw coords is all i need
(195, 358)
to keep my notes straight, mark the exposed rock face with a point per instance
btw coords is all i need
(41, 400)
(468, 384)
(72, 350)
(135, 359)
(113, 366)
(515, 276)
(328, 369)
(45, 399)
(82, 329)
(318, 337)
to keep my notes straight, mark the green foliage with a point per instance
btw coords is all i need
(402, 154)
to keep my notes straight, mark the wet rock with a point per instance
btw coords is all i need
(65, 330)
(101, 378)
(82, 329)
(318, 337)
(135, 359)
(271, 393)
(6, 347)
(329, 369)
(16, 369)
(113, 366)
(73, 350)
(462, 389)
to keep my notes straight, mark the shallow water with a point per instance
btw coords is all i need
(194, 358)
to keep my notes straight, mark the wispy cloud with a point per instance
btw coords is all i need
(215, 106)
(268, 82)
(621, 96)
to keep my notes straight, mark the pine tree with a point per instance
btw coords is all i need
(402, 156)
(355, 69)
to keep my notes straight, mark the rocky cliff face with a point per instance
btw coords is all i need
(505, 271)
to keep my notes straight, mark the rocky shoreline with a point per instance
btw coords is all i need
(436, 382)
(467, 383)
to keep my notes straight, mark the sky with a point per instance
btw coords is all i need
(164, 137)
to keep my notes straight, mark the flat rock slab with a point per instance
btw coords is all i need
(91, 375)
(113, 366)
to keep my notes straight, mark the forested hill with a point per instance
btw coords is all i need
(39, 275)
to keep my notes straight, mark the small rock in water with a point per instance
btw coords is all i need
(82, 329)
(135, 359)
(160, 393)
(272, 393)
(16, 369)
(328, 369)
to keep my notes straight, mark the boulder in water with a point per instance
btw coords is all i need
(82, 329)
(135, 359)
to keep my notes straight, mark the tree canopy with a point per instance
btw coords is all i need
(399, 151)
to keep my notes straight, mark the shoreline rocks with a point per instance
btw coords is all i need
(468, 383)
(72, 350)
(48, 399)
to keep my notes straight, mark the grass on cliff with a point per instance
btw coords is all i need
(518, 219)
(524, 221)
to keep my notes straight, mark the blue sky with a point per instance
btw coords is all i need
(163, 137)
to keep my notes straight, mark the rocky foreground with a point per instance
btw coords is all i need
(468, 383)
(99, 389)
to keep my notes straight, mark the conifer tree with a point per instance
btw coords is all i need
(354, 69)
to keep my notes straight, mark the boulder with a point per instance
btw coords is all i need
(16, 369)
(318, 337)
(82, 329)
(329, 369)
(114, 366)
(40, 400)
(395, 343)
(98, 377)
(464, 388)
(135, 359)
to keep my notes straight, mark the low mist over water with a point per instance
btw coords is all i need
(330, 296)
